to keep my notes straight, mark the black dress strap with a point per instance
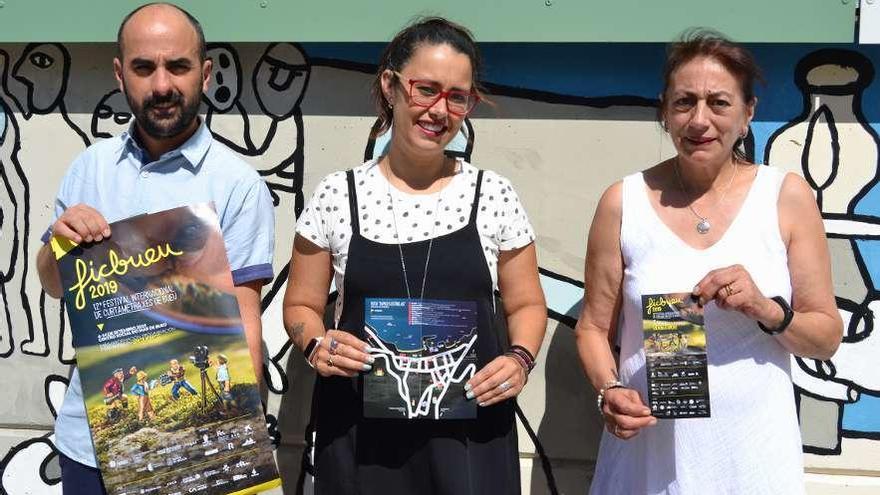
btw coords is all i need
(476, 202)
(353, 202)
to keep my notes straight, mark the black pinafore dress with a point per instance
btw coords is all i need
(357, 455)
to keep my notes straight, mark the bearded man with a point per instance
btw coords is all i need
(166, 159)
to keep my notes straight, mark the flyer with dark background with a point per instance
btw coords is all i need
(675, 356)
(425, 352)
(170, 391)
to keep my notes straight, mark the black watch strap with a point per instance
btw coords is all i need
(307, 352)
(787, 315)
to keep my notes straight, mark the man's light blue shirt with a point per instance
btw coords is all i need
(117, 178)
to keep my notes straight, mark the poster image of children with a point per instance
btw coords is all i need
(178, 374)
(141, 390)
(114, 399)
(223, 377)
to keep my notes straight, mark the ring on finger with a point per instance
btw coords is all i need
(505, 385)
(728, 290)
(334, 345)
(330, 362)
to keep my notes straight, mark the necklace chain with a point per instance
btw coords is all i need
(397, 236)
(703, 226)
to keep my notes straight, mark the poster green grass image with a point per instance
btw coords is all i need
(118, 431)
(170, 391)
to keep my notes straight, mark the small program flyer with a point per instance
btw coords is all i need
(675, 355)
(169, 386)
(425, 352)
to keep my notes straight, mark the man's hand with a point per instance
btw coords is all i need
(82, 223)
(78, 223)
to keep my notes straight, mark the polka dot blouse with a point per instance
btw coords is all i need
(501, 221)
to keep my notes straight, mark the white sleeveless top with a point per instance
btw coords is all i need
(752, 442)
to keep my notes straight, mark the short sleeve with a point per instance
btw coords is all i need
(68, 194)
(249, 233)
(514, 230)
(315, 224)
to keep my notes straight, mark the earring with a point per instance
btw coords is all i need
(664, 125)
(745, 134)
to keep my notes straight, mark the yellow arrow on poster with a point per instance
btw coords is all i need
(100, 327)
(61, 246)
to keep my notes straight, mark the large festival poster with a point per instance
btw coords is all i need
(170, 391)
(425, 352)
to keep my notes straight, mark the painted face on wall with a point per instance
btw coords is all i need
(160, 72)
(705, 111)
(280, 79)
(43, 69)
(111, 115)
(226, 73)
(434, 68)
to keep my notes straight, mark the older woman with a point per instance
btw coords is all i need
(420, 230)
(745, 240)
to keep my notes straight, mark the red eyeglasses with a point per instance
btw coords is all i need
(427, 93)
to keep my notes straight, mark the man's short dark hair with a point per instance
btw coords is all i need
(197, 27)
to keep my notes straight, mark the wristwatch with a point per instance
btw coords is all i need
(311, 348)
(787, 315)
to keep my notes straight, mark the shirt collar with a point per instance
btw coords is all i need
(193, 149)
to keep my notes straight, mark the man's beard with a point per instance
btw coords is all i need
(165, 128)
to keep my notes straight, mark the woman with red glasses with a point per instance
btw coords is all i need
(417, 373)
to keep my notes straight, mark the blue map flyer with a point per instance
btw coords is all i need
(170, 391)
(425, 352)
(675, 356)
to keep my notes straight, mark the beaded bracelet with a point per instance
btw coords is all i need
(600, 398)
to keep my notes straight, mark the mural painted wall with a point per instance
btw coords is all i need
(566, 121)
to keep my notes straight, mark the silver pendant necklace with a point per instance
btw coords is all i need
(397, 237)
(703, 225)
